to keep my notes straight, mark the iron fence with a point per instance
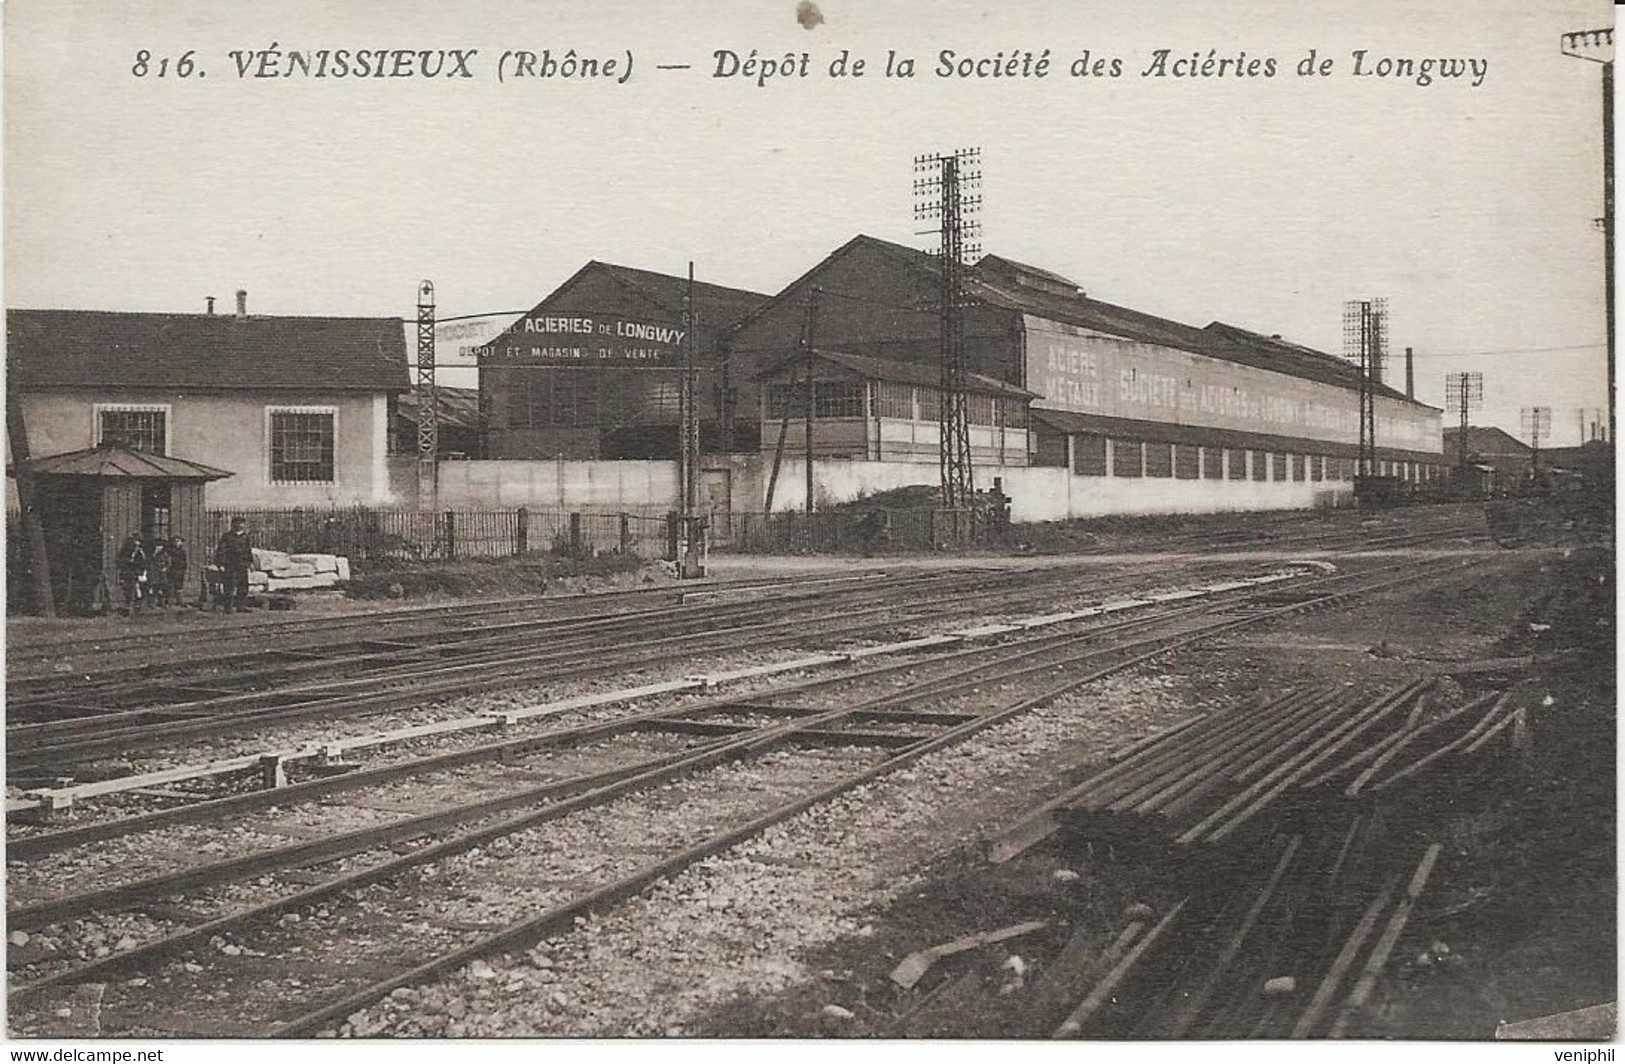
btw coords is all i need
(368, 535)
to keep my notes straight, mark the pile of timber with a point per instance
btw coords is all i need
(1210, 777)
(275, 570)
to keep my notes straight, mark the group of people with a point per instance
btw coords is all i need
(152, 571)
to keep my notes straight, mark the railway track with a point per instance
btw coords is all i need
(76, 724)
(420, 898)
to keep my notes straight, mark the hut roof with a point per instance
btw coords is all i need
(117, 460)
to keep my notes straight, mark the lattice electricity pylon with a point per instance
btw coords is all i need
(428, 408)
(1537, 425)
(943, 195)
(1365, 343)
(1463, 392)
(428, 405)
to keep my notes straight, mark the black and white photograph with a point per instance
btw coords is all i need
(882, 522)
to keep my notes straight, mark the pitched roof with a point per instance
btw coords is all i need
(117, 460)
(997, 281)
(67, 348)
(1485, 440)
(901, 372)
(727, 304)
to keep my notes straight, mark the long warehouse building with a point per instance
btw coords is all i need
(1145, 414)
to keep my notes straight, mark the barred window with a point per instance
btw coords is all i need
(1212, 463)
(1261, 465)
(1013, 413)
(1278, 466)
(142, 428)
(1187, 461)
(1238, 464)
(838, 399)
(1159, 460)
(979, 409)
(1126, 458)
(302, 446)
(894, 400)
(1089, 456)
(1297, 467)
(1317, 467)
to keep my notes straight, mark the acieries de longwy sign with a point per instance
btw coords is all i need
(585, 338)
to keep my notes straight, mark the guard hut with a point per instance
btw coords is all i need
(88, 502)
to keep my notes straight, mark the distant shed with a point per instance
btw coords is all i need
(89, 500)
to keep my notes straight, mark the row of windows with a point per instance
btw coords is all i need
(301, 440)
(906, 402)
(1135, 458)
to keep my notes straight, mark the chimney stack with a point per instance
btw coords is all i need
(210, 301)
(242, 302)
(1410, 375)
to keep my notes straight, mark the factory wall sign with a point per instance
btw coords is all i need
(586, 339)
(1088, 372)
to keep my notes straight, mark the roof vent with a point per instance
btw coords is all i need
(209, 302)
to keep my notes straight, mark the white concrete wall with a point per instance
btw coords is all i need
(1041, 493)
(1053, 494)
(555, 484)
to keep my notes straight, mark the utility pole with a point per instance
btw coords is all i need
(428, 403)
(1365, 341)
(1537, 425)
(692, 564)
(809, 408)
(1463, 392)
(944, 197)
(1597, 46)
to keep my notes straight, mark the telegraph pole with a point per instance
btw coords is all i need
(1597, 46)
(809, 403)
(1463, 392)
(944, 197)
(1365, 341)
(692, 562)
(427, 400)
(1537, 424)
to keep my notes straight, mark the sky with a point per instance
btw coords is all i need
(1264, 202)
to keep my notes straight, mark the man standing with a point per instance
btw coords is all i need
(235, 557)
(132, 573)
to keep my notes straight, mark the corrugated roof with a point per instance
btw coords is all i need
(901, 372)
(458, 408)
(993, 282)
(117, 460)
(70, 348)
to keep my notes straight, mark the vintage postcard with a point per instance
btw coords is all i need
(810, 519)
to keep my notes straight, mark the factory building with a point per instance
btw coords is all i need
(1201, 418)
(1143, 413)
(595, 370)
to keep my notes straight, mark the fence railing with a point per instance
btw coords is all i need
(367, 535)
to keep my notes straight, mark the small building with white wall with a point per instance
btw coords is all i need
(296, 408)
